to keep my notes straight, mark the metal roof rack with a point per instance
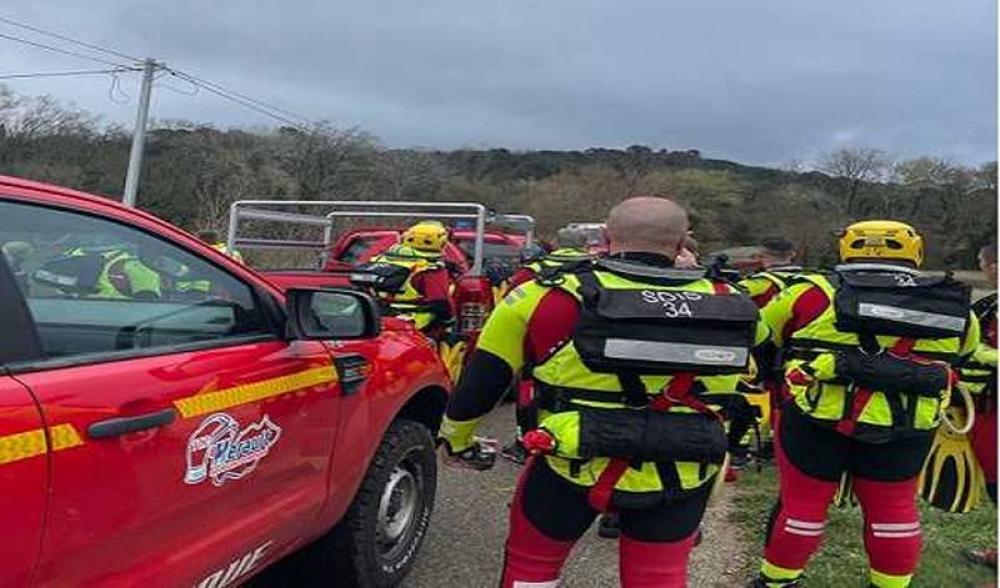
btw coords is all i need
(265, 210)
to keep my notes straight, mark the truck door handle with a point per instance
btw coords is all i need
(353, 369)
(122, 425)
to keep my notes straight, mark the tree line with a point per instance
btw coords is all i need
(192, 172)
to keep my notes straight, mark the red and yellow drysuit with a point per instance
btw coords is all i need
(549, 326)
(840, 421)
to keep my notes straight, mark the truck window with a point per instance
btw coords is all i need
(96, 286)
(356, 250)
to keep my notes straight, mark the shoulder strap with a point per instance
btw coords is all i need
(777, 281)
(554, 276)
(985, 306)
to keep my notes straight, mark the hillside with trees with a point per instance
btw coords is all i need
(192, 172)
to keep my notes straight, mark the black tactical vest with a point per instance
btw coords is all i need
(880, 300)
(661, 332)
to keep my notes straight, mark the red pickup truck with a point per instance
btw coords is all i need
(169, 417)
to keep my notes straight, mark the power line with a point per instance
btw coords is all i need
(194, 80)
(58, 50)
(270, 110)
(56, 74)
(247, 101)
(68, 39)
(254, 107)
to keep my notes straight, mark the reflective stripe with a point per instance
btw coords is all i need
(33, 443)
(204, 403)
(804, 524)
(803, 532)
(676, 352)
(547, 584)
(896, 534)
(913, 317)
(895, 526)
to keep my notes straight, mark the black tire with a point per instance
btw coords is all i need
(370, 547)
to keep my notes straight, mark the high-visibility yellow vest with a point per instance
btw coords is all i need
(760, 282)
(979, 372)
(558, 258)
(565, 369)
(408, 303)
(235, 254)
(813, 350)
(123, 275)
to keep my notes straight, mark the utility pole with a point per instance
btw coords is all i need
(139, 134)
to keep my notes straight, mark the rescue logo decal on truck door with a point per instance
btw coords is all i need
(218, 450)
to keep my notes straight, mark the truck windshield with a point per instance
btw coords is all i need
(358, 250)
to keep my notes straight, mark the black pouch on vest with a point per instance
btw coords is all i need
(651, 331)
(890, 373)
(381, 277)
(902, 304)
(645, 435)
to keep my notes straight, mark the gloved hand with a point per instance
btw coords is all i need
(477, 456)
(539, 442)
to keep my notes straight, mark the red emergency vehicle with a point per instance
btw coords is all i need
(170, 417)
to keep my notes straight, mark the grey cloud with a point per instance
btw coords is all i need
(760, 82)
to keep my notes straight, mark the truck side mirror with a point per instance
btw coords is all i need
(315, 314)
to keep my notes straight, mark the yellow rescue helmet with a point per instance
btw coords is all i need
(882, 240)
(426, 236)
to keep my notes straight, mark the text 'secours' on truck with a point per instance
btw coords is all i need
(311, 225)
(170, 417)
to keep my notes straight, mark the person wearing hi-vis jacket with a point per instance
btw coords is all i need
(868, 351)
(635, 362)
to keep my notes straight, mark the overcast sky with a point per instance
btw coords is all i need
(759, 81)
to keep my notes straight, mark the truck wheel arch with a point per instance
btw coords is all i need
(426, 407)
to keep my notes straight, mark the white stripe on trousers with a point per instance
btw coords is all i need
(896, 534)
(895, 526)
(804, 524)
(803, 532)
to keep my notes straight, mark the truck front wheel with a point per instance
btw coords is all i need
(376, 543)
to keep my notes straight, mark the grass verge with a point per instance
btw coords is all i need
(841, 560)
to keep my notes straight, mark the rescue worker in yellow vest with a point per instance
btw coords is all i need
(776, 257)
(412, 280)
(571, 249)
(122, 274)
(979, 377)
(571, 243)
(213, 239)
(627, 354)
(868, 356)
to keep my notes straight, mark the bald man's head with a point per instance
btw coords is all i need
(647, 223)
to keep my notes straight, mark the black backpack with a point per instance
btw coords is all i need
(901, 303)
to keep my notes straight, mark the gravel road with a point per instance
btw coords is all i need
(464, 546)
